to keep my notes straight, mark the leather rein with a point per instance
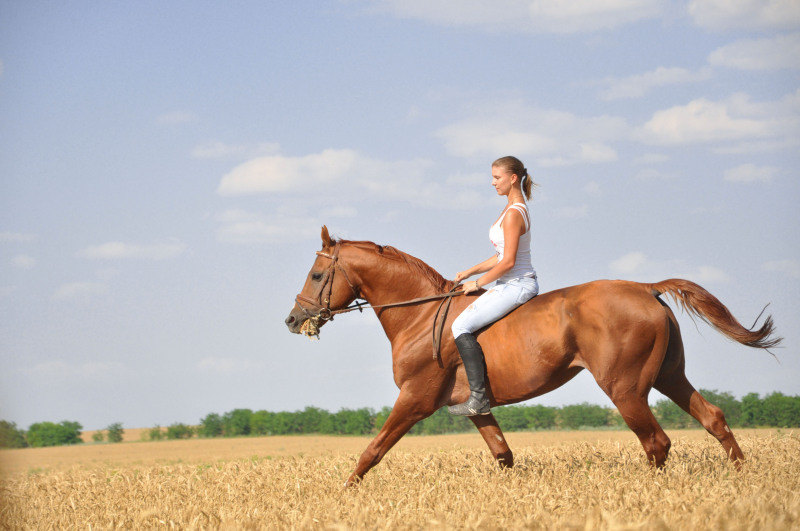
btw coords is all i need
(320, 303)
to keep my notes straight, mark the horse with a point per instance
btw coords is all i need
(620, 331)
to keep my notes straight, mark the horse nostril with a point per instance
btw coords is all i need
(289, 320)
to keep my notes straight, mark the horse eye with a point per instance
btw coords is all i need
(316, 276)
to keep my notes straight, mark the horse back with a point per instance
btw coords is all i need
(548, 340)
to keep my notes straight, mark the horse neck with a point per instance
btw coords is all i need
(385, 280)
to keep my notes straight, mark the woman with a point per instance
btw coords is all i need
(510, 267)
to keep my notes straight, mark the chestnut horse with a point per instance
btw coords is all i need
(620, 331)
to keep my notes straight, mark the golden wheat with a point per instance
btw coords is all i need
(603, 484)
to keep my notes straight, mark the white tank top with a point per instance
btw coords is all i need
(522, 265)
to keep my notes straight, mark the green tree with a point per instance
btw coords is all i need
(582, 415)
(752, 414)
(155, 433)
(98, 436)
(511, 418)
(670, 415)
(179, 431)
(11, 436)
(354, 421)
(381, 416)
(237, 422)
(261, 422)
(52, 434)
(314, 420)
(115, 432)
(541, 417)
(211, 425)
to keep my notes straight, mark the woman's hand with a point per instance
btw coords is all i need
(471, 286)
(461, 275)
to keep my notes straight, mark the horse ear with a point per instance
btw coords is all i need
(326, 238)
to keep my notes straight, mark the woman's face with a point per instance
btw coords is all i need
(502, 180)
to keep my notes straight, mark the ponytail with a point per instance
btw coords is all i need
(515, 166)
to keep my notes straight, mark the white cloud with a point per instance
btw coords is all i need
(243, 227)
(76, 290)
(280, 173)
(638, 267)
(750, 173)
(736, 118)
(787, 267)
(177, 118)
(24, 261)
(16, 237)
(771, 53)
(636, 86)
(552, 138)
(343, 174)
(220, 150)
(535, 16)
(121, 250)
(746, 14)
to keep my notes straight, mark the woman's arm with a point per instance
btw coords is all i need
(513, 228)
(483, 267)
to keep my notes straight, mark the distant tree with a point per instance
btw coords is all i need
(781, 410)
(511, 418)
(155, 433)
(179, 431)
(283, 423)
(52, 434)
(98, 436)
(237, 422)
(261, 422)
(354, 421)
(381, 416)
(314, 420)
(752, 414)
(11, 436)
(211, 425)
(115, 432)
(670, 415)
(582, 415)
(541, 417)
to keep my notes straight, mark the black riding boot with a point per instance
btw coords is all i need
(472, 356)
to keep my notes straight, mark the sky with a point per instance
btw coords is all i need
(166, 168)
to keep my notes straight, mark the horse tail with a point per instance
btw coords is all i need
(699, 302)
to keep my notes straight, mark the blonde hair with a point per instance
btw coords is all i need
(516, 167)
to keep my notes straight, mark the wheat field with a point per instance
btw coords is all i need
(580, 480)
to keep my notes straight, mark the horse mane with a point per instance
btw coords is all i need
(414, 264)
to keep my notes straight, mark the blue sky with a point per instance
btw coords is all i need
(166, 167)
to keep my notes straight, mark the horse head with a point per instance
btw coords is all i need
(327, 289)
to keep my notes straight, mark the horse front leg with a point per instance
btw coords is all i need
(411, 407)
(493, 435)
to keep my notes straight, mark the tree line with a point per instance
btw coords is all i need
(773, 410)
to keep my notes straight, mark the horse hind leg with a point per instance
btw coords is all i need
(678, 389)
(672, 382)
(493, 435)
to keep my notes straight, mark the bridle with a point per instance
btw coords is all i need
(317, 308)
(321, 300)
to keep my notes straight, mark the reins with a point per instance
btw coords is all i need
(322, 304)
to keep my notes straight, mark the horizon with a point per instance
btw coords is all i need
(167, 167)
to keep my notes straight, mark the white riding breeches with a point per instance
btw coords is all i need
(494, 304)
